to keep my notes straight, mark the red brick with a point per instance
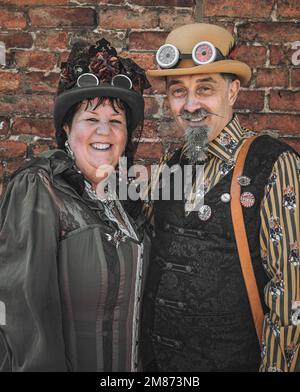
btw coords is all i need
(171, 18)
(4, 125)
(149, 129)
(16, 39)
(108, 2)
(283, 123)
(249, 99)
(62, 17)
(158, 86)
(9, 82)
(296, 77)
(33, 126)
(281, 55)
(151, 107)
(144, 60)
(63, 57)
(87, 2)
(164, 3)
(34, 3)
(26, 104)
(51, 40)
(272, 77)
(12, 20)
(227, 25)
(166, 109)
(102, 2)
(169, 130)
(149, 40)
(10, 60)
(269, 32)
(35, 59)
(295, 143)
(149, 150)
(285, 100)
(238, 8)
(116, 38)
(125, 18)
(39, 82)
(12, 149)
(254, 56)
(288, 9)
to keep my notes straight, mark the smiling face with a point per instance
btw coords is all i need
(189, 93)
(97, 137)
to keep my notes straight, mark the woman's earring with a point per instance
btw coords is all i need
(69, 151)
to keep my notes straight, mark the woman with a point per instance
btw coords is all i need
(72, 264)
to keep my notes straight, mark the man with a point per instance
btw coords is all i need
(197, 315)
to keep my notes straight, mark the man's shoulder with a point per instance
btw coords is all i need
(267, 146)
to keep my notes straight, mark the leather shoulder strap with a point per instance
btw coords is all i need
(242, 241)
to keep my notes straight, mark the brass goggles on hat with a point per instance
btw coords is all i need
(91, 80)
(204, 52)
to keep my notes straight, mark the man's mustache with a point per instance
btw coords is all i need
(186, 115)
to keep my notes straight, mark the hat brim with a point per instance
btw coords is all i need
(67, 99)
(240, 69)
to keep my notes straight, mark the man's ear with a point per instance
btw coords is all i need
(234, 89)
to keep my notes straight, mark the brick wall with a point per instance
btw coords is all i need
(38, 35)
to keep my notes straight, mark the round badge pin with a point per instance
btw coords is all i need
(225, 197)
(247, 199)
(204, 212)
(244, 180)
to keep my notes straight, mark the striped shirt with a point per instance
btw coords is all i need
(279, 243)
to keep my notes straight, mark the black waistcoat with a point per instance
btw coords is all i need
(196, 310)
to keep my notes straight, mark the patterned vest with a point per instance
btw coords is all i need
(196, 310)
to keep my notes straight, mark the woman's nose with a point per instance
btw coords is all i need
(102, 128)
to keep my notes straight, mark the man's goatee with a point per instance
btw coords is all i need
(196, 144)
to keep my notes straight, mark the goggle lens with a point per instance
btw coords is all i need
(204, 52)
(167, 56)
(91, 80)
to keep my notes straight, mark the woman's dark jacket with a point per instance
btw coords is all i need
(69, 299)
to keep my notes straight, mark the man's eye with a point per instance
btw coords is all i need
(178, 92)
(204, 89)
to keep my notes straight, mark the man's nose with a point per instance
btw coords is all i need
(192, 103)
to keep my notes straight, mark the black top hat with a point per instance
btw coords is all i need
(97, 71)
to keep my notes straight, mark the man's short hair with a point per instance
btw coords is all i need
(229, 77)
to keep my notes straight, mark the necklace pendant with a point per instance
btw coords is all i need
(116, 238)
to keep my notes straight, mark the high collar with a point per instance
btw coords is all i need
(226, 145)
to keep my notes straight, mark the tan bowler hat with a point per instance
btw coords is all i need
(186, 37)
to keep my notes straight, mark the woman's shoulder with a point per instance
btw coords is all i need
(52, 162)
(37, 172)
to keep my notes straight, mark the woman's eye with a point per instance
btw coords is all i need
(115, 121)
(92, 119)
